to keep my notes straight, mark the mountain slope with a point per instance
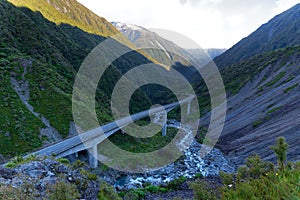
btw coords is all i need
(38, 61)
(69, 12)
(280, 32)
(75, 14)
(158, 47)
(163, 50)
(267, 105)
(263, 88)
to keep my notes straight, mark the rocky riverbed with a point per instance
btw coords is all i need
(191, 164)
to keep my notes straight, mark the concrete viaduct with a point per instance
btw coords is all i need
(89, 140)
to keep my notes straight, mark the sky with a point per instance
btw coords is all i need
(210, 23)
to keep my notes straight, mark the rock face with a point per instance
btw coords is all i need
(44, 173)
(267, 107)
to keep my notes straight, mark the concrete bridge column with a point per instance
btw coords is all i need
(93, 156)
(164, 129)
(189, 108)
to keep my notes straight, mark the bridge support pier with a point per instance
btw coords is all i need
(164, 129)
(93, 156)
(189, 108)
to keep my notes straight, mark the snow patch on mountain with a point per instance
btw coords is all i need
(123, 26)
(166, 52)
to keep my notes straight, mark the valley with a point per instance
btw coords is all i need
(48, 134)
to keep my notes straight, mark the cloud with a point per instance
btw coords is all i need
(211, 23)
(282, 5)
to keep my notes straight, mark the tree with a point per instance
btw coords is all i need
(280, 150)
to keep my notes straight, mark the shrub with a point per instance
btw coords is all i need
(89, 175)
(63, 191)
(274, 110)
(280, 150)
(134, 195)
(274, 185)
(227, 179)
(152, 189)
(202, 191)
(258, 179)
(63, 161)
(255, 167)
(291, 88)
(10, 165)
(107, 192)
(78, 164)
(18, 160)
(257, 123)
(175, 184)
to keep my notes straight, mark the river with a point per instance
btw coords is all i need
(189, 166)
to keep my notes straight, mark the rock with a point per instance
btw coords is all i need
(92, 190)
(16, 182)
(25, 63)
(7, 134)
(37, 174)
(42, 174)
(1, 157)
(7, 173)
(61, 169)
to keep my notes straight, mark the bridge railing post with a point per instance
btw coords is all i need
(93, 156)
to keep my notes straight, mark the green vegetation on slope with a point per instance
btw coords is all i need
(69, 12)
(73, 13)
(19, 128)
(51, 55)
(237, 75)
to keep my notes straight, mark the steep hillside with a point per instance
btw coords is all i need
(262, 77)
(263, 104)
(69, 12)
(75, 14)
(280, 32)
(38, 61)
